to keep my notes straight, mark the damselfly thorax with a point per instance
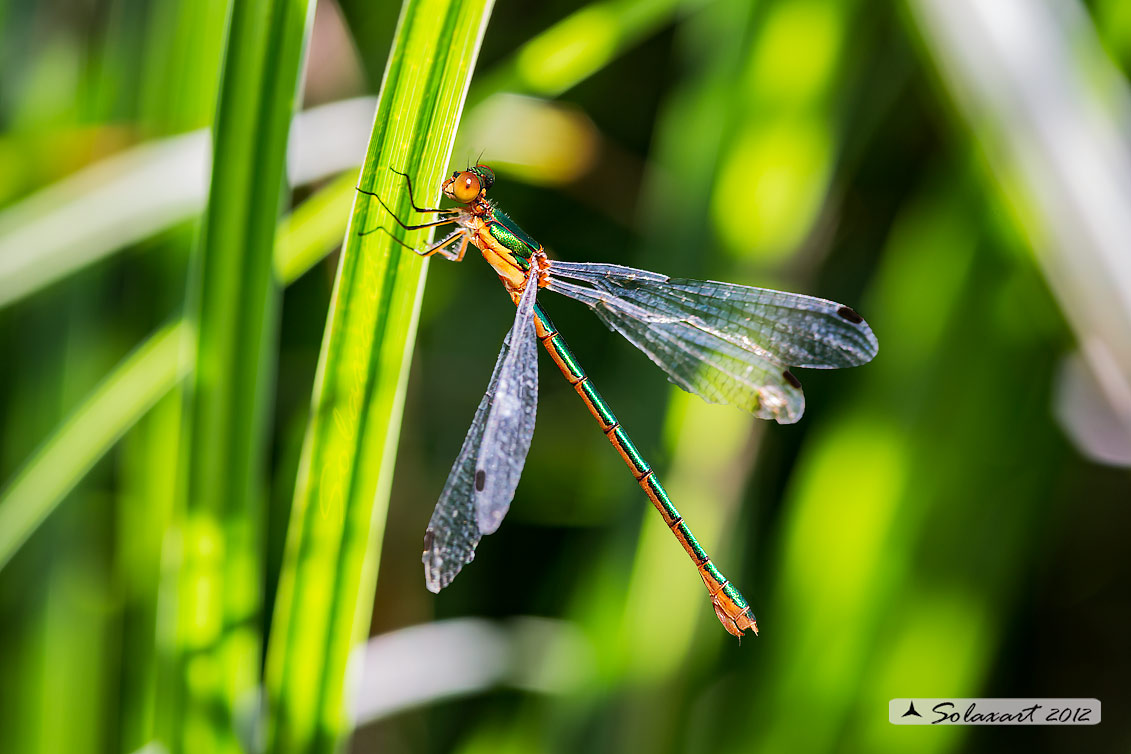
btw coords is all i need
(490, 236)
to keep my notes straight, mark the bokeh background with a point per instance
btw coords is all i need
(949, 520)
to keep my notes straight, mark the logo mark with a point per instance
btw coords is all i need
(993, 711)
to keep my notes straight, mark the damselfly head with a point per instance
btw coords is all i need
(465, 186)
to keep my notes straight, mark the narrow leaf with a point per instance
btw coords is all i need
(325, 590)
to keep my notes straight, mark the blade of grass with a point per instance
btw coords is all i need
(1050, 115)
(146, 376)
(141, 191)
(325, 591)
(146, 469)
(184, 48)
(313, 228)
(180, 66)
(233, 303)
(114, 406)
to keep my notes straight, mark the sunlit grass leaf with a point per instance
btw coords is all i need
(313, 228)
(233, 302)
(115, 405)
(110, 205)
(145, 376)
(325, 590)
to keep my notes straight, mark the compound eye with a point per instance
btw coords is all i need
(466, 188)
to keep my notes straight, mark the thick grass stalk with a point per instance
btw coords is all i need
(233, 304)
(325, 591)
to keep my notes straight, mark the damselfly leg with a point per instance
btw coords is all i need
(442, 246)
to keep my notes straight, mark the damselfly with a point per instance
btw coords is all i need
(726, 343)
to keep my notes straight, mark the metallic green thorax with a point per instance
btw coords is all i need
(515, 239)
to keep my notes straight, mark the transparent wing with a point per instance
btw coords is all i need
(510, 423)
(726, 343)
(454, 529)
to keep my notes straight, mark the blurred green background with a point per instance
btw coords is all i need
(949, 520)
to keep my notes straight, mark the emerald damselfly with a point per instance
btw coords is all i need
(724, 342)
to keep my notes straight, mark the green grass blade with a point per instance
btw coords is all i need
(325, 590)
(313, 228)
(144, 377)
(114, 406)
(234, 305)
(135, 194)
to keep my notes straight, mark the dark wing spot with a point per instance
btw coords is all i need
(850, 315)
(428, 537)
(791, 379)
(480, 480)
